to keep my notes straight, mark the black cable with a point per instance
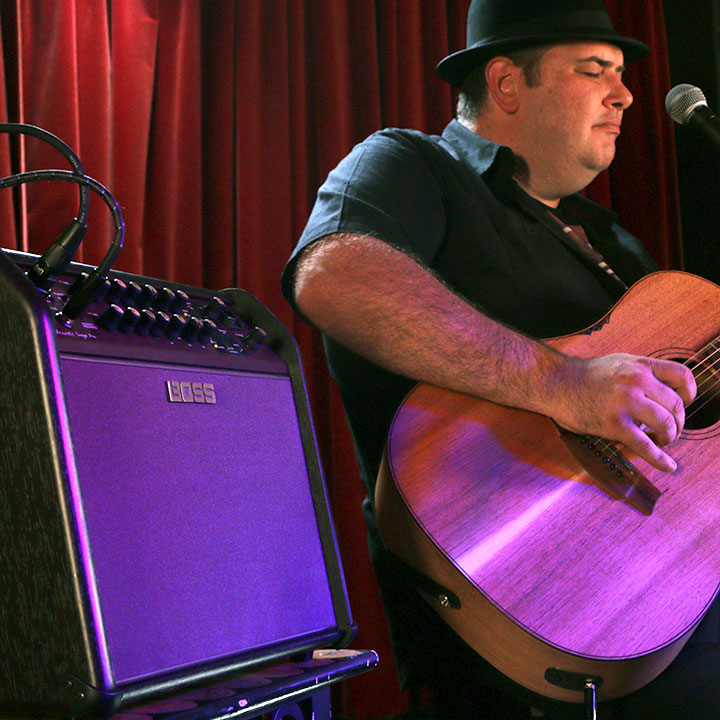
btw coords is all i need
(63, 148)
(61, 252)
(87, 289)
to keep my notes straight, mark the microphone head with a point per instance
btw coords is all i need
(682, 100)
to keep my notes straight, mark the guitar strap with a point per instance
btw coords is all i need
(572, 235)
(579, 236)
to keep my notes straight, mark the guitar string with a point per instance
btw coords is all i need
(707, 397)
(706, 369)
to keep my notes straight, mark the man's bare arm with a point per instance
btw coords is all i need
(382, 304)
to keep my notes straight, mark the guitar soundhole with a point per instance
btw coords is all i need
(704, 411)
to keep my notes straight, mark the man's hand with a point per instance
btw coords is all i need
(638, 401)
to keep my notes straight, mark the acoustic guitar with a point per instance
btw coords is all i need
(558, 557)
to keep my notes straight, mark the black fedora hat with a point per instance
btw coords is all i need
(497, 26)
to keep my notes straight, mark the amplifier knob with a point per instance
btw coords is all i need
(147, 320)
(175, 326)
(207, 332)
(76, 284)
(111, 318)
(129, 320)
(192, 328)
(116, 290)
(216, 309)
(254, 338)
(147, 296)
(162, 320)
(78, 281)
(101, 292)
(132, 293)
(164, 299)
(180, 301)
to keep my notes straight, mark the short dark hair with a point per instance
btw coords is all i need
(474, 91)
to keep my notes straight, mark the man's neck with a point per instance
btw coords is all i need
(523, 178)
(542, 183)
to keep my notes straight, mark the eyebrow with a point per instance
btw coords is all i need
(601, 62)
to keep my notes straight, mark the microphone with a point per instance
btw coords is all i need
(686, 105)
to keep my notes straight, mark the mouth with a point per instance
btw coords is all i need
(609, 126)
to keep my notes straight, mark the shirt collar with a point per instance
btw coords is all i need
(482, 155)
(474, 149)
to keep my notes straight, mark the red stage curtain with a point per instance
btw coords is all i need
(213, 123)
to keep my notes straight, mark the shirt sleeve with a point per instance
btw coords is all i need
(387, 187)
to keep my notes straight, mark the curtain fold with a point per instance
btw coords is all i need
(172, 225)
(129, 100)
(218, 144)
(644, 185)
(7, 208)
(214, 123)
(56, 79)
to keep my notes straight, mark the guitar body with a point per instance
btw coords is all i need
(544, 569)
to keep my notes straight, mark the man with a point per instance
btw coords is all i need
(442, 259)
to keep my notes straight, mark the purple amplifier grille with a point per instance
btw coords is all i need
(203, 532)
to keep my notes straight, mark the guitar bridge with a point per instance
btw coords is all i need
(613, 473)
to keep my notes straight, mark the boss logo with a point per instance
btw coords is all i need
(187, 392)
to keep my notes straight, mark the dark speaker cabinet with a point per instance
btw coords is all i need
(163, 516)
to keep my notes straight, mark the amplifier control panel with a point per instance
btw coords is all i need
(131, 316)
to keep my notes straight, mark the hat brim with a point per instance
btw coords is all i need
(455, 68)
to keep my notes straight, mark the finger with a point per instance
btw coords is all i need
(642, 445)
(677, 376)
(666, 406)
(657, 421)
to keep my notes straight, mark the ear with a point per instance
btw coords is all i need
(502, 79)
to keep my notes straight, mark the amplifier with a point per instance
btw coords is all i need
(163, 516)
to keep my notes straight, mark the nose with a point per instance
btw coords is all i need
(619, 96)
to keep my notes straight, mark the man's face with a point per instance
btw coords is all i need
(572, 117)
